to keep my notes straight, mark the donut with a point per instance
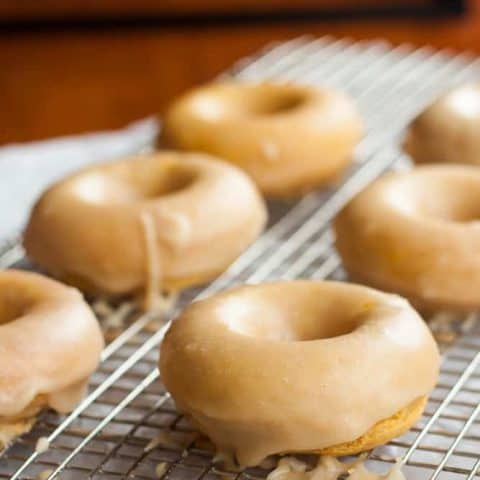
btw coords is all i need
(416, 233)
(447, 130)
(299, 366)
(50, 343)
(160, 221)
(289, 138)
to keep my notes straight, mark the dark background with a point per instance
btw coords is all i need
(70, 66)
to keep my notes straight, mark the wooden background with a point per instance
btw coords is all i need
(60, 75)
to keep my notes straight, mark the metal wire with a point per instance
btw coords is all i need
(107, 434)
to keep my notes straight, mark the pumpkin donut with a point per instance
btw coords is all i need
(289, 138)
(50, 343)
(301, 366)
(447, 130)
(160, 221)
(417, 233)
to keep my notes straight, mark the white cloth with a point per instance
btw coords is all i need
(27, 169)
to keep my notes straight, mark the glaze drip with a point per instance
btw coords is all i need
(156, 297)
(10, 431)
(153, 281)
(330, 468)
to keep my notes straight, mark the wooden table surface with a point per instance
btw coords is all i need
(58, 82)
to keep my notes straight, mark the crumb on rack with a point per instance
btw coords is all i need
(444, 327)
(42, 445)
(160, 469)
(101, 307)
(117, 318)
(44, 474)
(227, 460)
(164, 439)
(114, 322)
(330, 468)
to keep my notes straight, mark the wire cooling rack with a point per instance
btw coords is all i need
(127, 427)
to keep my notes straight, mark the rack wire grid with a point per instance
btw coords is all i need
(127, 426)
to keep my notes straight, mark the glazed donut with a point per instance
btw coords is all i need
(164, 220)
(288, 138)
(447, 131)
(301, 366)
(50, 343)
(417, 233)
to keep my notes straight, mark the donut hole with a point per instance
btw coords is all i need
(292, 323)
(280, 102)
(452, 198)
(164, 181)
(13, 304)
(122, 185)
